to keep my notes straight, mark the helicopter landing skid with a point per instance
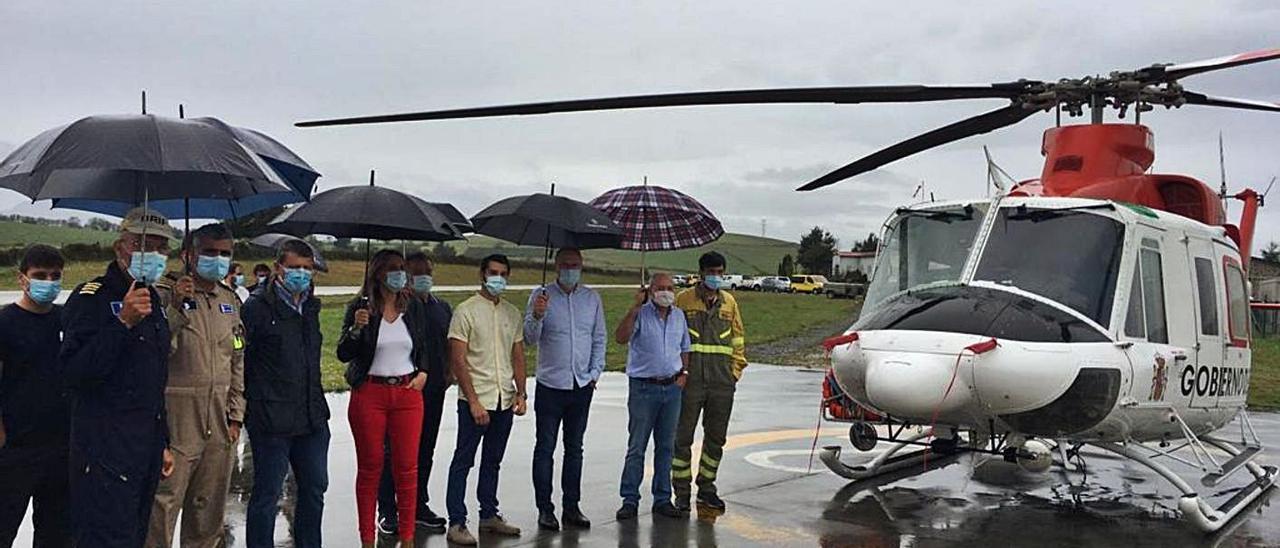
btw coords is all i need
(887, 461)
(1194, 508)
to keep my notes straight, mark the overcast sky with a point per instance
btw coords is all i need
(267, 65)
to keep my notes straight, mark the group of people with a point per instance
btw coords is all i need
(121, 411)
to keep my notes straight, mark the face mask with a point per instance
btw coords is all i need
(262, 279)
(43, 291)
(396, 279)
(495, 284)
(239, 279)
(297, 280)
(147, 267)
(422, 284)
(664, 298)
(571, 276)
(213, 268)
(713, 282)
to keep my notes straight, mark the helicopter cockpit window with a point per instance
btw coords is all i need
(1146, 315)
(1069, 256)
(924, 246)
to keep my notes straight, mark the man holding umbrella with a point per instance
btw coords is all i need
(115, 361)
(205, 393)
(565, 320)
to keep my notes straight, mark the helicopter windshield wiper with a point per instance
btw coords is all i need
(1023, 213)
(938, 215)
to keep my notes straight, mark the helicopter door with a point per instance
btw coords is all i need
(1210, 348)
(1148, 320)
(1232, 387)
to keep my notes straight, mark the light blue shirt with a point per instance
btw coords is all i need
(287, 297)
(570, 337)
(656, 344)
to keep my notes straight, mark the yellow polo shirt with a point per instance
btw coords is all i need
(490, 330)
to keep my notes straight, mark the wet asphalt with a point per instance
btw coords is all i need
(775, 499)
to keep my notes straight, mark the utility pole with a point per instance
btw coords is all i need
(763, 224)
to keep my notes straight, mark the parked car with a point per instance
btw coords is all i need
(775, 284)
(836, 290)
(733, 281)
(679, 280)
(752, 283)
(807, 283)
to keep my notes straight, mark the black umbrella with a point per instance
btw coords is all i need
(369, 212)
(135, 158)
(275, 241)
(456, 218)
(550, 221)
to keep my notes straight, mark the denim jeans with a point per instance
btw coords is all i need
(273, 456)
(552, 408)
(470, 435)
(653, 411)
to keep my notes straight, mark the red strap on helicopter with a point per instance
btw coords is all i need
(838, 340)
(976, 349)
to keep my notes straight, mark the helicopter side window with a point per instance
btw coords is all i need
(1134, 324)
(1153, 291)
(1237, 304)
(1206, 289)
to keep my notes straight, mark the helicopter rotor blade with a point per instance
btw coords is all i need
(977, 125)
(1183, 70)
(1194, 98)
(834, 95)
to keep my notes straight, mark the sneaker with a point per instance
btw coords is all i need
(458, 534)
(670, 511)
(388, 526)
(710, 500)
(499, 526)
(628, 511)
(429, 521)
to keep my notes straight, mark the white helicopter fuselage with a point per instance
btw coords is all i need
(1112, 322)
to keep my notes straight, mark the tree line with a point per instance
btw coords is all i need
(815, 252)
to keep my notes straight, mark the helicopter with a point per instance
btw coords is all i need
(1098, 305)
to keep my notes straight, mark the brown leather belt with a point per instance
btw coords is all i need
(393, 381)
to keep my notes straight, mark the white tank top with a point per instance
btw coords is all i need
(393, 356)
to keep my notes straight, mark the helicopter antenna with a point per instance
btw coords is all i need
(919, 191)
(997, 176)
(1263, 198)
(1222, 173)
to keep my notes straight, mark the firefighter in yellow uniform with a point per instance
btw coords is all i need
(204, 394)
(716, 362)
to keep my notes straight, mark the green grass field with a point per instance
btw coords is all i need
(1264, 379)
(15, 234)
(766, 317)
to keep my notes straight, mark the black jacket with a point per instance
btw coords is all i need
(282, 365)
(116, 376)
(356, 347)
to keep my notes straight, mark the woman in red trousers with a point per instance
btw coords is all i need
(384, 345)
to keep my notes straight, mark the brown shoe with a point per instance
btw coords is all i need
(458, 534)
(499, 526)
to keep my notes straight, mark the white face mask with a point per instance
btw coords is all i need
(664, 298)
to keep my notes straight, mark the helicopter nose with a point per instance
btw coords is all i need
(919, 385)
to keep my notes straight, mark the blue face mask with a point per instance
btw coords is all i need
(147, 267)
(495, 285)
(297, 280)
(396, 280)
(239, 279)
(213, 268)
(570, 276)
(422, 284)
(262, 279)
(43, 291)
(713, 282)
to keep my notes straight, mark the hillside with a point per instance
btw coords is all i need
(746, 254)
(15, 234)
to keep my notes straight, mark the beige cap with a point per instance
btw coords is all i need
(139, 219)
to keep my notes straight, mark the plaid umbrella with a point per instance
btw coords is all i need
(654, 218)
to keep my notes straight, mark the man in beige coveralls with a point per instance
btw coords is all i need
(205, 394)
